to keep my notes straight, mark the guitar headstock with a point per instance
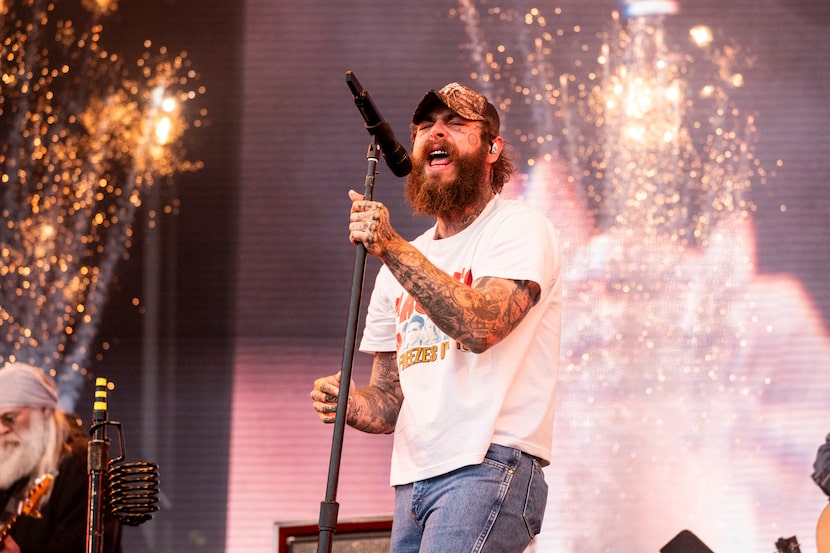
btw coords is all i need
(29, 505)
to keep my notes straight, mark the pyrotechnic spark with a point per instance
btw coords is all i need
(647, 125)
(642, 125)
(82, 139)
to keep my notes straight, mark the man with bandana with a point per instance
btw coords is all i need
(472, 404)
(38, 442)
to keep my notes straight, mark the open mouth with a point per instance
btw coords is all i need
(439, 158)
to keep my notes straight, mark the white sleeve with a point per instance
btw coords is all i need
(379, 331)
(523, 246)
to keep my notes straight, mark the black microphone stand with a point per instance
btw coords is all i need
(329, 507)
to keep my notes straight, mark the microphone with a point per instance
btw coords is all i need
(394, 154)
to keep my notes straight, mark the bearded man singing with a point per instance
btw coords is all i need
(471, 400)
(38, 443)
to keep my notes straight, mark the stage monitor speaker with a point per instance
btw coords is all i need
(365, 535)
(685, 542)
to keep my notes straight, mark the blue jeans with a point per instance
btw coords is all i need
(494, 507)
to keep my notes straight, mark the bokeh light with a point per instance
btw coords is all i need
(84, 135)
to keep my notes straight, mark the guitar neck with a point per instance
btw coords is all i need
(7, 527)
(29, 504)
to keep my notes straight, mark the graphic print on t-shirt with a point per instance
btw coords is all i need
(418, 339)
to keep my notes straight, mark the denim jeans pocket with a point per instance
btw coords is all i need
(537, 497)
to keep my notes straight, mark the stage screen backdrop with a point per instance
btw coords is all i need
(681, 151)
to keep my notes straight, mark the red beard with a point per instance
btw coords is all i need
(433, 195)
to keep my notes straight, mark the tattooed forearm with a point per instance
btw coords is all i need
(375, 408)
(479, 316)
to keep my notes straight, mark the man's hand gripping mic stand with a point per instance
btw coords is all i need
(329, 507)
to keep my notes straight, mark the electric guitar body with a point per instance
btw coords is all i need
(823, 531)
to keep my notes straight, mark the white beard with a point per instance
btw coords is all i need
(22, 452)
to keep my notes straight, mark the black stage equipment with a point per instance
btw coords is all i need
(129, 491)
(685, 542)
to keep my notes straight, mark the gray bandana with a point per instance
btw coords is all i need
(23, 385)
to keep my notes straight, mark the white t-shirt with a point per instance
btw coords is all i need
(456, 403)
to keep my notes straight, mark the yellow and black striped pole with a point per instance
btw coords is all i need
(97, 461)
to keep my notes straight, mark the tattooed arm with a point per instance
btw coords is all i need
(372, 409)
(477, 316)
